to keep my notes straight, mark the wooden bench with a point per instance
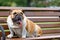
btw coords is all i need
(47, 18)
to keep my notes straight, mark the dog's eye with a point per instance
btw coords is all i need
(14, 13)
(22, 13)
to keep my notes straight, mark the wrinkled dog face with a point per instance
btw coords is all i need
(17, 16)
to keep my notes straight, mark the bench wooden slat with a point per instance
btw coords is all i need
(44, 37)
(5, 27)
(41, 25)
(44, 31)
(42, 13)
(37, 38)
(3, 20)
(30, 8)
(15, 39)
(51, 31)
(4, 13)
(45, 19)
(6, 33)
(49, 25)
(34, 13)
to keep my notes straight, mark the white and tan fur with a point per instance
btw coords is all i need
(28, 27)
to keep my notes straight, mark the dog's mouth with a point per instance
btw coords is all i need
(17, 19)
(19, 22)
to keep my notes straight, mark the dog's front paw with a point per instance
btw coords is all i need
(23, 36)
(10, 36)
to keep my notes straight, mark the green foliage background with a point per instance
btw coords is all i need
(33, 3)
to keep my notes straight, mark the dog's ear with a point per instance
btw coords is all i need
(10, 11)
(23, 11)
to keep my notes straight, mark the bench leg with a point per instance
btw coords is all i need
(3, 33)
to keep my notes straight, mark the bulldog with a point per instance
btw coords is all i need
(21, 26)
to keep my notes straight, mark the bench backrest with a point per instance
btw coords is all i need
(48, 19)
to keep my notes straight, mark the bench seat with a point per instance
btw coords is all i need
(47, 18)
(44, 36)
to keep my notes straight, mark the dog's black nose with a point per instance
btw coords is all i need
(18, 17)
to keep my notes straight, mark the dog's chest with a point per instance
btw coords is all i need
(17, 31)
